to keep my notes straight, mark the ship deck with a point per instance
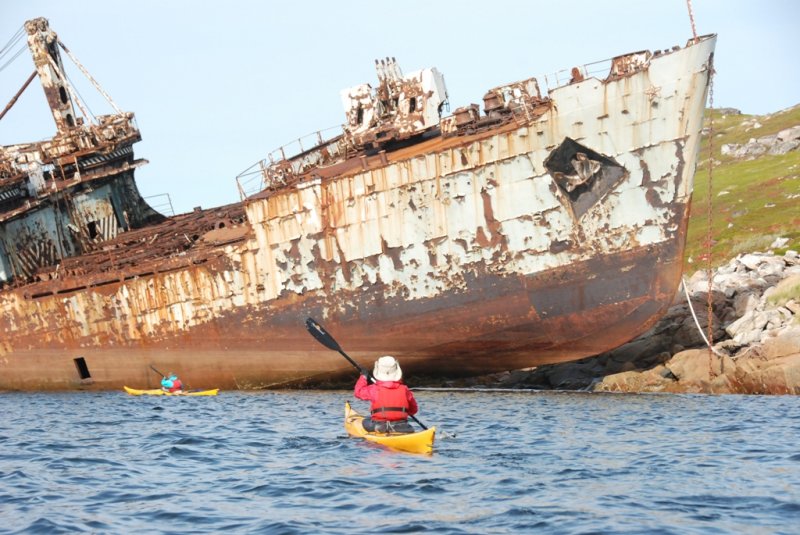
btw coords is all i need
(179, 241)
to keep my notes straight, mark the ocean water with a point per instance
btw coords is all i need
(280, 462)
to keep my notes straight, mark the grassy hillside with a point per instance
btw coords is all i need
(753, 201)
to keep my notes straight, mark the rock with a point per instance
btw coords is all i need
(789, 134)
(693, 365)
(639, 348)
(689, 335)
(776, 376)
(630, 381)
(728, 316)
(782, 147)
(783, 377)
(655, 360)
(784, 141)
(787, 314)
(786, 343)
(751, 261)
(699, 276)
(664, 372)
(729, 347)
(744, 302)
(753, 284)
(568, 377)
(778, 243)
(772, 266)
(724, 270)
(743, 324)
(728, 282)
(503, 377)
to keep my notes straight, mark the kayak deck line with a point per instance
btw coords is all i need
(480, 389)
(419, 442)
(159, 392)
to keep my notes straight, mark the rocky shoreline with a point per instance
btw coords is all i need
(756, 333)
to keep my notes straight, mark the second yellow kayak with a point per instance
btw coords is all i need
(420, 442)
(159, 392)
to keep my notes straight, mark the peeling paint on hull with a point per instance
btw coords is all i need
(490, 329)
(459, 255)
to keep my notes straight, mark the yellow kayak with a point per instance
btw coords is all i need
(159, 392)
(420, 442)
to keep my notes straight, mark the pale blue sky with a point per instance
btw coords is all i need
(215, 86)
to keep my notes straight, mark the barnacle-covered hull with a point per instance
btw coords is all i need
(494, 245)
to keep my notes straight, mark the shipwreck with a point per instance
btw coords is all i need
(539, 227)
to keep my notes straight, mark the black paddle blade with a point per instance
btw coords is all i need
(322, 336)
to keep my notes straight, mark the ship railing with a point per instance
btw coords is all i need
(607, 69)
(292, 159)
(251, 180)
(597, 69)
(163, 205)
(302, 144)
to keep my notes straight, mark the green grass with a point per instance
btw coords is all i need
(788, 290)
(752, 201)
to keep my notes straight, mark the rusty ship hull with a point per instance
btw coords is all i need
(480, 246)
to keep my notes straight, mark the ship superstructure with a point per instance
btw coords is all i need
(65, 196)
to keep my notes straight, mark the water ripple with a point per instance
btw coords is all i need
(280, 462)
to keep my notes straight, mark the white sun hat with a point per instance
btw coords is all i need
(387, 369)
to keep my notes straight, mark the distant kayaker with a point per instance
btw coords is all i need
(171, 383)
(392, 401)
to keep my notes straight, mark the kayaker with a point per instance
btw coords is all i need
(392, 401)
(171, 383)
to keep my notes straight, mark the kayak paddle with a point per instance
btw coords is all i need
(323, 337)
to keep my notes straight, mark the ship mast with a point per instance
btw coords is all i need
(43, 43)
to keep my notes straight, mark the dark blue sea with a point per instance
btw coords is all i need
(280, 462)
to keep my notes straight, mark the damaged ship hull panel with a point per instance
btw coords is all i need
(527, 244)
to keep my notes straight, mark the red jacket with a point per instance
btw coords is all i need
(387, 395)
